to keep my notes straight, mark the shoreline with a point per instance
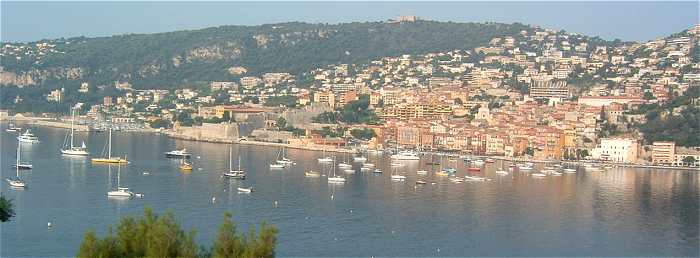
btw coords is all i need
(258, 143)
(84, 128)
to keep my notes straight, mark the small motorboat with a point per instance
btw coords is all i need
(473, 169)
(489, 160)
(501, 172)
(422, 172)
(421, 182)
(23, 166)
(539, 174)
(475, 178)
(178, 154)
(442, 173)
(377, 171)
(398, 177)
(359, 159)
(569, 170)
(325, 160)
(336, 179)
(312, 173)
(245, 189)
(349, 171)
(276, 166)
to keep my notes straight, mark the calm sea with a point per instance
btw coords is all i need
(622, 212)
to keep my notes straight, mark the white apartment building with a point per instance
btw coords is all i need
(623, 150)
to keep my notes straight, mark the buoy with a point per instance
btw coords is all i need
(332, 198)
(48, 224)
(275, 204)
(213, 199)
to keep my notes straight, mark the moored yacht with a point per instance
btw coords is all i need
(71, 149)
(235, 174)
(405, 155)
(178, 154)
(28, 137)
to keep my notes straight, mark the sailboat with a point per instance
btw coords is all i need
(18, 164)
(121, 191)
(283, 158)
(237, 174)
(325, 159)
(17, 182)
(334, 178)
(109, 158)
(72, 150)
(344, 164)
(185, 166)
(396, 176)
(277, 164)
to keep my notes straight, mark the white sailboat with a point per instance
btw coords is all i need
(282, 158)
(18, 164)
(109, 158)
(334, 178)
(325, 159)
(344, 164)
(120, 191)
(17, 182)
(73, 150)
(237, 174)
(396, 176)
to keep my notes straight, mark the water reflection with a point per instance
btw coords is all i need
(622, 212)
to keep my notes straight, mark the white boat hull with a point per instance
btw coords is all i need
(75, 152)
(336, 180)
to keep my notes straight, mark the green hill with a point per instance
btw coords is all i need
(173, 59)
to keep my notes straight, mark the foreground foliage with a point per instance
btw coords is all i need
(6, 211)
(161, 236)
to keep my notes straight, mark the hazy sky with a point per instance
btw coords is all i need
(30, 21)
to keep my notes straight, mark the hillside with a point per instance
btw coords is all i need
(168, 60)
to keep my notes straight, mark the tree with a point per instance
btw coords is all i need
(6, 211)
(689, 160)
(281, 122)
(364, 134)
(161, 236)
(230, 244)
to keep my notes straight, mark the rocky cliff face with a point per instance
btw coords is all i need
(36, 76)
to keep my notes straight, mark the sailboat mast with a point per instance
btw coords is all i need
(119, 175)
(109, 145)
(239, 162)
(19, 145)
(72, 119)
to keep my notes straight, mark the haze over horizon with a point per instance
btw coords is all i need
(629, 21)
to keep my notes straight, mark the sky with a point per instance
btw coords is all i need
(628, 20)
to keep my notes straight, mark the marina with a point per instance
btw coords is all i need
(576, 213)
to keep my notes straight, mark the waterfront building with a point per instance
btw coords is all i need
(663, 152)
(624, 150)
